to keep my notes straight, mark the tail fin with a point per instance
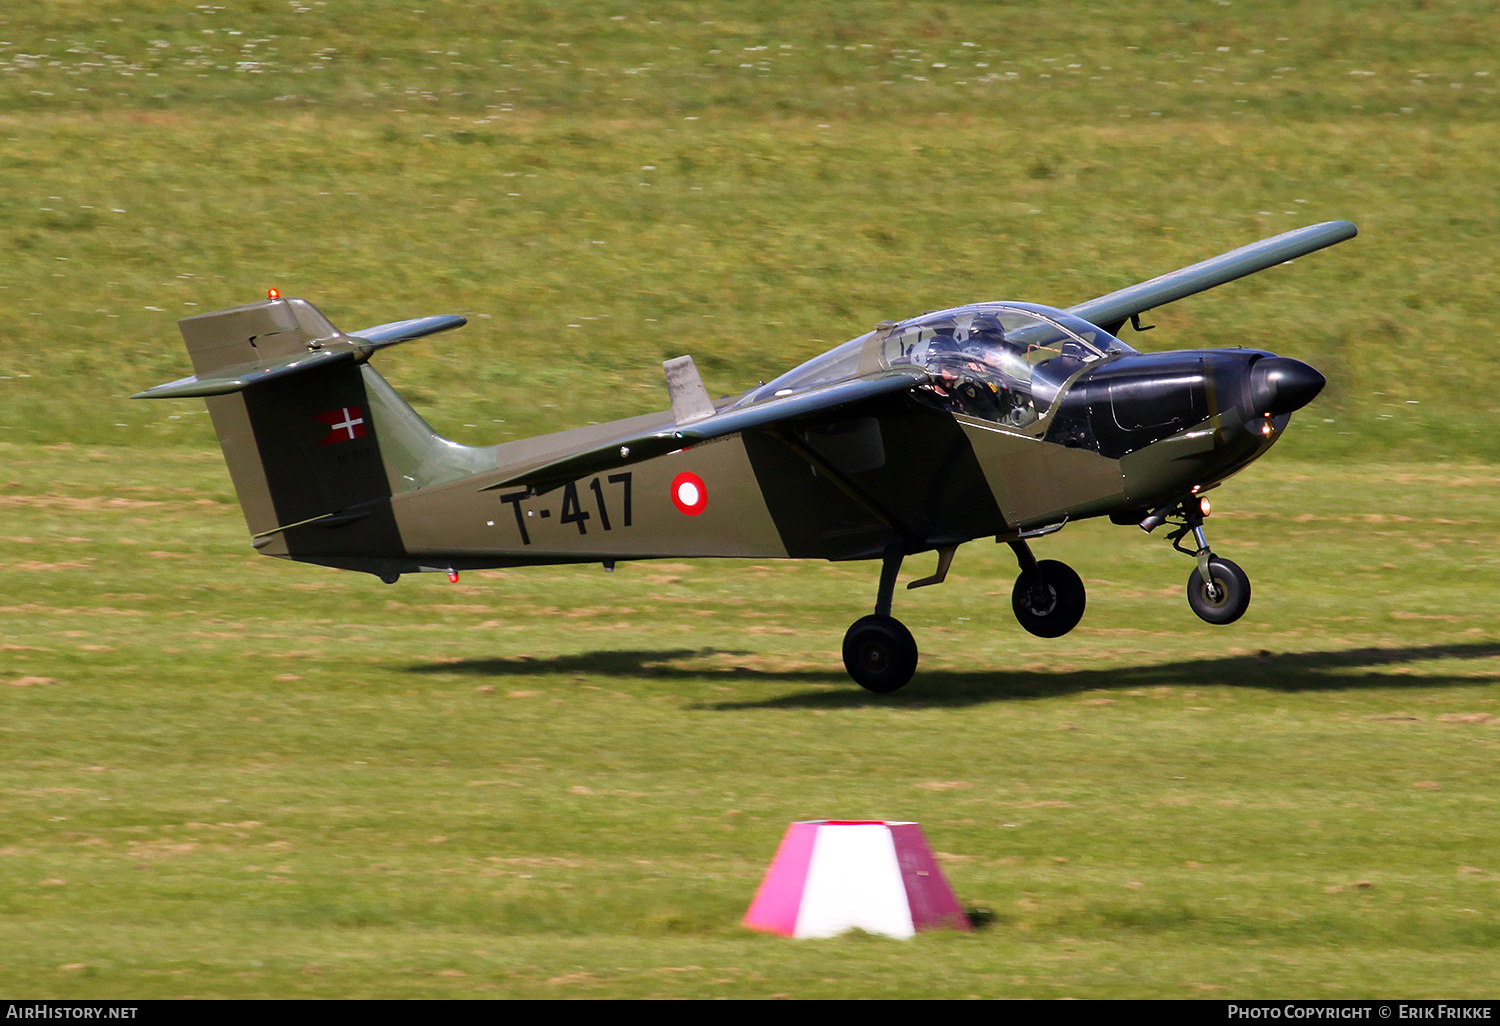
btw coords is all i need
(316, 441)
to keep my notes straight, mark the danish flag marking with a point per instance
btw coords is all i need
(345, 424)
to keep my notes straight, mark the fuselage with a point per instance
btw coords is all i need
(1060, 427)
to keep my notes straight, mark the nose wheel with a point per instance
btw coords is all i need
(1222, 595)
(1217, 590)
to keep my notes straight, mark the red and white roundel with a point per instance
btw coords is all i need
(689, 494)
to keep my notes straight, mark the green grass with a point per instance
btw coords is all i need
(228, 776)
(231, 776)
(385, 164)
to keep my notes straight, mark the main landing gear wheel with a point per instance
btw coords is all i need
(1225, 597)
(1048, 600)
(880, 653)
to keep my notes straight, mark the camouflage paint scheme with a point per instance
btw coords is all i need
(1003, 420)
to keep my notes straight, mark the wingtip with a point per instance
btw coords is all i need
(1344, 229)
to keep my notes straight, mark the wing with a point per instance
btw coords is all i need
(1112, 311)
(632, 447)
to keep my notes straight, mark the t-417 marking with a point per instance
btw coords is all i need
(572, 511)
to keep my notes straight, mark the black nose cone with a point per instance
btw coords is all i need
(1279, 385)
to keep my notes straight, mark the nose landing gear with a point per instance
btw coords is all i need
(1217, 590)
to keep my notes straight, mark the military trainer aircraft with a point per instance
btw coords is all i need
(997, 419)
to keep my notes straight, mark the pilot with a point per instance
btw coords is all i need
(978, 397)
(964, 384)
(987, 356)
(939, 354)
(963, 379)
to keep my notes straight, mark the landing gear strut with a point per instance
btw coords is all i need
(1217, 590)
(879, 652)
(1049, 597)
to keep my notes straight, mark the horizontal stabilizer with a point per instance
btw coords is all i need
(1112, 311)
(402, 331)
(235, 379)
(645, 445)
(246, 345)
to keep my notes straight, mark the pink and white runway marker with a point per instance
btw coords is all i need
(831, 876)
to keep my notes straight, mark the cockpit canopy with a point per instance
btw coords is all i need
(1002, 362)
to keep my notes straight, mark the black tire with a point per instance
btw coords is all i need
(880, 653)
(1227, 601)
(1062, 600)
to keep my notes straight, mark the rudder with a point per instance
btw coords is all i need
(302, 449)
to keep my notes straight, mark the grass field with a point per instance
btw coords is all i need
(228, 776)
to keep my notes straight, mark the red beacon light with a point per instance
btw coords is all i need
(452, 576)
(273, 293)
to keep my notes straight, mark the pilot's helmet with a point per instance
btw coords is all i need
(940, 345)
(987, 327)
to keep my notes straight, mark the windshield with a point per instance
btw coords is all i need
(1002, 362)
